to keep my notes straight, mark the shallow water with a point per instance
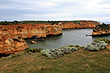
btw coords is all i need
(69, 37)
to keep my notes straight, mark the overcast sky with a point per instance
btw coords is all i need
(98, 10)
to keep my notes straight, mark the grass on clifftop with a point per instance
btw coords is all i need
(81, 61)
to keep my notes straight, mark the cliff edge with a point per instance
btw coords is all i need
(101, 30)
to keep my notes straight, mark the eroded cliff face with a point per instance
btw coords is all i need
(11, 44)
(78, 24)
(29, 30)
(11, 35)
(101, 30)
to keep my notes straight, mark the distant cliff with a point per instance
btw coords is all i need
(78, 24)
(101, 30)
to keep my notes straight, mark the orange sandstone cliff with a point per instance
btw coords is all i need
(11, 44)
(101, 30)
(29, 30)
(11, 35)
(78, 24)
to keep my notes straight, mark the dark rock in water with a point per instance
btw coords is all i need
(88, 35)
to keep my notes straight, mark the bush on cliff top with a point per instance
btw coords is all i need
(102, 27)
(105, 40)
(33, 50)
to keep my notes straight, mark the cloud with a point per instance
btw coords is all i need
(55, 10)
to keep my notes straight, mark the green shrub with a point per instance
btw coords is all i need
(73, 46)
(102, 27)
(32, 25)
(18, 27)
(19, 37)
(33, 50)
(76, 45)
(105, 40)
(42, 27)
(70, 46)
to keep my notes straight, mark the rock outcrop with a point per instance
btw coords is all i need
(101, 30)
(11, 44)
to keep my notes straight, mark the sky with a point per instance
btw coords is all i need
(98, 10)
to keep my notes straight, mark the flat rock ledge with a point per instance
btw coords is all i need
(56, 53)
(96, 46)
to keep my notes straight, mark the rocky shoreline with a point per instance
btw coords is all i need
(39, 30)
(95, 46)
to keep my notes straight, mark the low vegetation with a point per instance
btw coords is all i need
(34, 22)
(105, 40)
(33, 50)
(81, 61)
(101, 27)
